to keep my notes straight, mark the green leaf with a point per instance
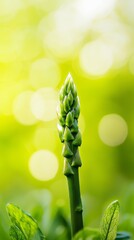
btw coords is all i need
(59, 227)
(15, 233)
(23, 226)
(110, 222)
(88, 234)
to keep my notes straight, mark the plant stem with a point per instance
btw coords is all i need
(75, 201)
(69, 133)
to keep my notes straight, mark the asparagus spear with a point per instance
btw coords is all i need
(69, 133)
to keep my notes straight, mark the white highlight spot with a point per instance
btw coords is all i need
(89, 9)
(44, 103)
(96, 58)
(22, 108)
(113, 130)
(43, 165)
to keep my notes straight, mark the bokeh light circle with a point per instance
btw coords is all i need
(44, 103)
(90, 10)
(22, 108)
(44, 73)
(113, 130)
(43, 165)
(96, 58)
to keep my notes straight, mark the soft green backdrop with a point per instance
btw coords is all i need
(40, 42)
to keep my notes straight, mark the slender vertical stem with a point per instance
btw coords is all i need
(75, 201)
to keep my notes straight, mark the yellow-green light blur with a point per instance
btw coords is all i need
(43, 165)
(40, 42)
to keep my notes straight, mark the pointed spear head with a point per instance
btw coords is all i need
(68, 113)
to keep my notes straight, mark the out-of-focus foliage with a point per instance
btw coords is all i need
(88, 233)
(40, 42)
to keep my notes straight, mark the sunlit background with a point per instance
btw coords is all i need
(40, 42)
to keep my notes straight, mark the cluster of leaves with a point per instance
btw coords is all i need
(24, 227)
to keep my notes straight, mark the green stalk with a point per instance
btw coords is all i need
(75, 202)
(68, 113)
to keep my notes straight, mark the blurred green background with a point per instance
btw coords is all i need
(40, 42)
